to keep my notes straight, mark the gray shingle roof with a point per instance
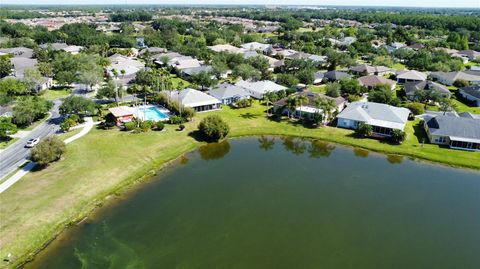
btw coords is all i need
(411, 87)
(376, 114)
(472, 90)
(227, 90)
(458, 127)
(336, 75)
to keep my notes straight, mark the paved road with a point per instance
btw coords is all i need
(16, 154)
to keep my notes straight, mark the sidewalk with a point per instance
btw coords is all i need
(30, 165)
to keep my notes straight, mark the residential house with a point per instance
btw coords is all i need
(18, 52)
(449, 78)
(258, 89)
(383, 118)
(153, 50)
(197, 100)
(188, 72)
(373, 81)
(471, 93)
(310, 109)
(256, 46)
(226, 48)
(416, 46)
(414, 86)
(20, 64)
(176, 61)
(62, 46)
(123, 68)
(318, 77)
(470, 54)
(404, 76)
(335, 75)
(469, 115)
(122, 114)
(454, 132)
(365, 69)
(228, 93)
(345, 41)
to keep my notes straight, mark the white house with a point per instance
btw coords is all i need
(228, 93)
(258, 89)
(383, 118)
(197, 100)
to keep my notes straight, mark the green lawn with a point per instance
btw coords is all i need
(176, 82)
(399, 66)
(56, 94)
(103, 163)
(317, 88)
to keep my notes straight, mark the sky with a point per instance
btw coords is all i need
(407, 3)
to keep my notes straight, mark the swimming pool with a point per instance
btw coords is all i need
(152, 113)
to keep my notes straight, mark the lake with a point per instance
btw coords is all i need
(284, 203)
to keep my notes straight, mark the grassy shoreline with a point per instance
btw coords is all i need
(105, 163)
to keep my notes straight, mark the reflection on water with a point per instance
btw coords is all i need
(184, 160)
(319, 149)
(361, 152)
(394, 159)
(294, 145)
(266, 143)
(213, 151)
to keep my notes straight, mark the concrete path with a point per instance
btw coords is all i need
(30, 165)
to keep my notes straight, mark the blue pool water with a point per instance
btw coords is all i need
(152, 113)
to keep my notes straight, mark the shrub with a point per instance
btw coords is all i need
(397, 136)
(48, 150)
(187, 113)
(67, 124)
(130, 126)
(181, 127)
(363, 130)
(176, 120)
(460, 83)
(416, 108)
(159, 126)
(243, 103)
(333, 89)
(214, 128)
(145, 126)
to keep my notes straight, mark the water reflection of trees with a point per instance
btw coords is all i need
(359, 152)
(266, 143)
(319, 149)
(294, 145)
(394, 159)
(213, 151)
(184, 159)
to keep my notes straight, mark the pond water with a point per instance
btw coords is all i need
(284, 203)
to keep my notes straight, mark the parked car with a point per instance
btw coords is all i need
(32, 142)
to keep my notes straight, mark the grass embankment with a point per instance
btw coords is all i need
(101, 163)
(5, 143)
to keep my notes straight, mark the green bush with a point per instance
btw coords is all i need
(159, 126)
(48, 150)
(397, 136)
(460, 83)
(145, 126)
(363, 130)
(67, 124)
(243, 103)
(416, 108)
(130, 126)
(177, 120)
(181, 127)
(214, 128)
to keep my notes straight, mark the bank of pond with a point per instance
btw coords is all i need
(265, 202)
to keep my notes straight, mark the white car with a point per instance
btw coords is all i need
(32, 142)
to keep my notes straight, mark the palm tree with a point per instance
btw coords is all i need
(291, 105)
(302, 99)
